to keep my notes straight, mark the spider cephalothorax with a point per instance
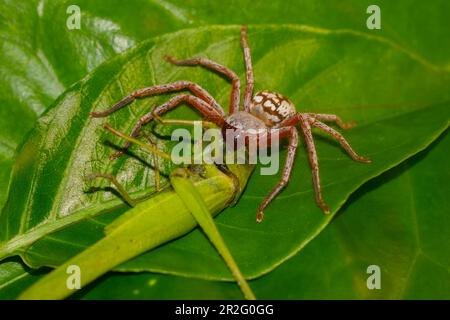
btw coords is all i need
(264, 112)
(267, 110)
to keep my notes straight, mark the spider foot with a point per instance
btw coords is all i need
(363, 159)
(171, 59)
(259, 216)
(324, 207)
(94, 114)
(346, 125)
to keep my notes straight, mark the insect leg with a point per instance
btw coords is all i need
(205, 124)
(124, 194)
(293, 143)
(339, 137)
(248, 70)
(159, 89)
(211, 65)
(155, 161)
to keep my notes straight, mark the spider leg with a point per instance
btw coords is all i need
(249, 70)
(159, 89)
(312, 155)
(205, 109)
(293, 143)
(333, 118)
(211, 65)
(339, 137)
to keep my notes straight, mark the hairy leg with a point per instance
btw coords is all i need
(314, 162)
(159, 89)
(205, 109)
(211, 65)
(248, 94)
(333, 118)
(339, 137)
(293, 143)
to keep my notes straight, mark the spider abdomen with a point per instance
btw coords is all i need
(271, 107)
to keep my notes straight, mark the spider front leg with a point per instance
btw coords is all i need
(200, 105)
(214, 66)
(159, 89)
(293, 143)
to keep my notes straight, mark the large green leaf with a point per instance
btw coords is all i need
(40, 57)
(408, 239)
(34, 66)
(15, 277)
(400, 108)
(398, 221)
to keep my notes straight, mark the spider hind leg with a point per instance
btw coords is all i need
(339, 137)
(293, 143)
(313, 160)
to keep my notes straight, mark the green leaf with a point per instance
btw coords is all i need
(414, 24)
(16, 277)
(400, 109)
(40, 57)
(397, 221)
(334, 265)
(33, 34)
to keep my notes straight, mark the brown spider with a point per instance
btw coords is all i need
(265, 110)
